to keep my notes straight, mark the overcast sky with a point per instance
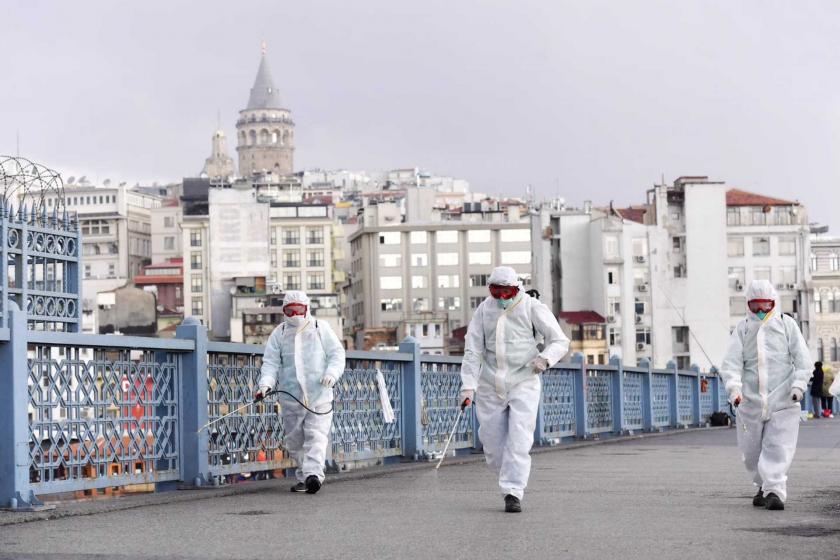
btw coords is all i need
(586, 99)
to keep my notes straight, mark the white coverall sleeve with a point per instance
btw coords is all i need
(799, 355)
(732, 367)
(473, 351)
(272, 359)
(556, 341)
(334, 351)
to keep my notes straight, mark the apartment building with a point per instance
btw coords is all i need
(825, 283)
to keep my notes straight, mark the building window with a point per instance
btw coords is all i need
(733, 216)
(315, 236)
(759, 216)
(831, 303)
(448, 281)
(516, 257)
(615, 337)
(392, 304)
(315, 258)
(168, 221)
(291, 236)
(446, 237)
(640, 307)
(612, 277)
(315, 281)
(273, 259)
(736, 278)
(735, 247)
(388, 261)
(447, 259)
(478, 236)
(677, 244)
(390, 282)
(449, 303)
(169, 243)
(87, 271)
(273, 236)
(419, 281)
(611, 247)
(195, 261)
(417, 237)
(820, 350)
(478, 280)
(475, 302)
(761, 246)
(195, 239)
(679, 271)
(515, 235)
(762, 273)
(787, 246)
(196, 284)
(419, 259)
(390, 238)
(480, 258)
(112, 270)
(787, 277)
(420, 305)
(834, 262)
(817, 302)
(525, 279)
(614, 307)
(292, 282)
(197, 305)
(834, 356)
(643, 336)
(291, 259)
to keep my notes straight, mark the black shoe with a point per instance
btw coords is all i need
(512, 504)
(774, 502)
(299, 487)
(313, 484)
(759, 500)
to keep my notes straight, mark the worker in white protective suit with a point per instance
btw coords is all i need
(303, 360)
(766, 372)
(500, 371)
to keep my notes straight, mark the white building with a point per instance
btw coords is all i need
(167, 240)
(424, 278)
(825, 271)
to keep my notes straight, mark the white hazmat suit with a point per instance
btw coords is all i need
(304, 357)
(768, 366)
(500, 364)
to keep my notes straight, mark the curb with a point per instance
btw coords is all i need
(96, 507)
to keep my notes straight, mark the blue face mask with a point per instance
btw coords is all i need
(505, 303)
(761, 315)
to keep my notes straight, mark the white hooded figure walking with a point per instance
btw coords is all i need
(303, 358)
(500, 371)
(766, 372)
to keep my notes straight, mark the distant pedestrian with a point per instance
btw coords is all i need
(817, 389)
(827, 397)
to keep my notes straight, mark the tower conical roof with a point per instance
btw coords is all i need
(264, 95)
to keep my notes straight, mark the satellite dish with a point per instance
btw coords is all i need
(71, 180)
(83, 179)
(106, 182)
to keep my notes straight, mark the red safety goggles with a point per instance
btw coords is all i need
(294, 309)
(503, 292)
(761, 305)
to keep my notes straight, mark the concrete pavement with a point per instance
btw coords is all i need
(683, 496)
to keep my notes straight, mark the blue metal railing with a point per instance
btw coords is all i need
(83, 412)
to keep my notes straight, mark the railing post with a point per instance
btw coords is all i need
(580, 397)
(192, 403)
(714, 383)
(674, 394)
(618, 396)
(15, 490)
(412, 400)
(695, 400)
(647, 396)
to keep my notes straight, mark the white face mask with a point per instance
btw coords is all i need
(296, 320)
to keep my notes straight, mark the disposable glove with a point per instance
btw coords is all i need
(796, 394)
(735, 398)
(328, 381)
(466, 395)
(539, 365)
(262, 392)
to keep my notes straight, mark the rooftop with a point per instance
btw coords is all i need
(581, 317)
(737, 197)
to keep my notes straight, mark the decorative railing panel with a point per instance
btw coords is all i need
(633, 387)
(440, 384)
(359, 429)
(558, 404)
(105, 420)
(660, 399)
(599, 416)
(685, 402)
